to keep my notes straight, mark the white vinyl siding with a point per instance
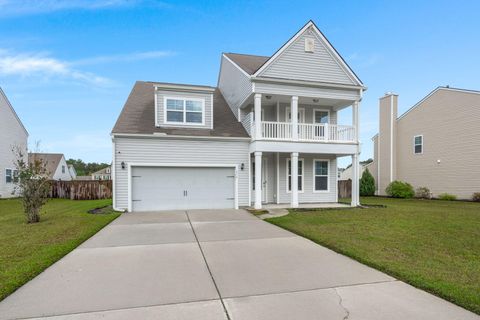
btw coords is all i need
(308, 194)
(179, 103)
(12, 134)
(179, 151)
(234, 85)
(319, 65)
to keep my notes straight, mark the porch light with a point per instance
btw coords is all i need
(123, 165)
(315, 100)
(268, 97)
(242, 166)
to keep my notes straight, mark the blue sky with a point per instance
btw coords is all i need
(68, 66)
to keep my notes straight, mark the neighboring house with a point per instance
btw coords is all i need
(267, 133)
(102, 174)
(12, 134)
(56, 165)
(435, 144)
(72, 171)
(347, 173)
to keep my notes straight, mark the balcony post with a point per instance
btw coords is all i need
(257, 104)
(294, 117)
(258, 180)
(294, 179)
(355, 118)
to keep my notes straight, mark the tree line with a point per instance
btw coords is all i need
(85, 169)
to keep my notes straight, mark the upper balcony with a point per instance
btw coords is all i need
(307, 132)
(272, 118)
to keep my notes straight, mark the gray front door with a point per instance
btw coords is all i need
(178, 188)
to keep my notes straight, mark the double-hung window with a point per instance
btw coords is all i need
(418, 144)
(8, 175)
(184, 111)
(320, 175)
(300, 175)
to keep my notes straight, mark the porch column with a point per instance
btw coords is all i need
(355, 181)
(258, 180)
(294, 116)
(257, 105)
(355, 121)
(294, 174)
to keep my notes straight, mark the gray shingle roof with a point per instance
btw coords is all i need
(249, 63)
(51, 160)
(138, 116)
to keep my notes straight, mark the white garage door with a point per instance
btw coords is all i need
(172, 188)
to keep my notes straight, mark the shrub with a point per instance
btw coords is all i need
(400, 189)
(423, 193)
(367, 184)
(447, 196)
(476, 197)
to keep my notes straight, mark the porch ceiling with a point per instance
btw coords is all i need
(272, 99)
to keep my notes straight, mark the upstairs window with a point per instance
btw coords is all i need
(184, 111)
(63, 169)
(418, 144)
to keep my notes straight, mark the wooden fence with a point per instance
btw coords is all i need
(81, 190)
(345, 188)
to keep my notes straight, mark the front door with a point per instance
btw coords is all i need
(264, 179)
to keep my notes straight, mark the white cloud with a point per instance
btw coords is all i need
(124, 57)
(28, 7)
(43, 66)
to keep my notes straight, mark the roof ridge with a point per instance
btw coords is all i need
(247, 54)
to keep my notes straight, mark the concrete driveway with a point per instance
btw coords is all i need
(223, 264)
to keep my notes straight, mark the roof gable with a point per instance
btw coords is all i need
(324, 64)
(9, 106)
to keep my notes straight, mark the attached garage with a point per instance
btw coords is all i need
(170, 187)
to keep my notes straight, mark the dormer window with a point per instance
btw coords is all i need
(184, 111)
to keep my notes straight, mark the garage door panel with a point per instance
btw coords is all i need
(168, 188)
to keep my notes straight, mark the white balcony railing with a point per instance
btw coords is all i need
(316, 132)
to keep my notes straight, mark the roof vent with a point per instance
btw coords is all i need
(309, 45)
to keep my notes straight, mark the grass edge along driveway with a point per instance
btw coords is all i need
(433, 245)
(28, 249)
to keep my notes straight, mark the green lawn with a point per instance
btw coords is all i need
(28, 249)
(431, 244)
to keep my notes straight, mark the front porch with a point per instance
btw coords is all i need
(294, 179)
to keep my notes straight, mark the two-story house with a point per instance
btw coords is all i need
(12, 135)
(435, 144)
(268, 133)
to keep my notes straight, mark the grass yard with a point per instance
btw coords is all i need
(28, 249)
(433, 245)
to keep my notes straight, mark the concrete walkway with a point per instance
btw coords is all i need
(213, 265)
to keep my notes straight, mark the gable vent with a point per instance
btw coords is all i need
(309, 45)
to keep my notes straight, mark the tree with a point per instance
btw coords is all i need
(85, 169)
(367, 184)
(31, 183)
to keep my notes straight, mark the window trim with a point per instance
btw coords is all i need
(184, 122)
(314, 176)
(322, 110)
(302, 175)
(414, 144)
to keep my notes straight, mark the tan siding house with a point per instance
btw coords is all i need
(436, 144)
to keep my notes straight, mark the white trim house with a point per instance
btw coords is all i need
(268, 133)
(12, 134)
